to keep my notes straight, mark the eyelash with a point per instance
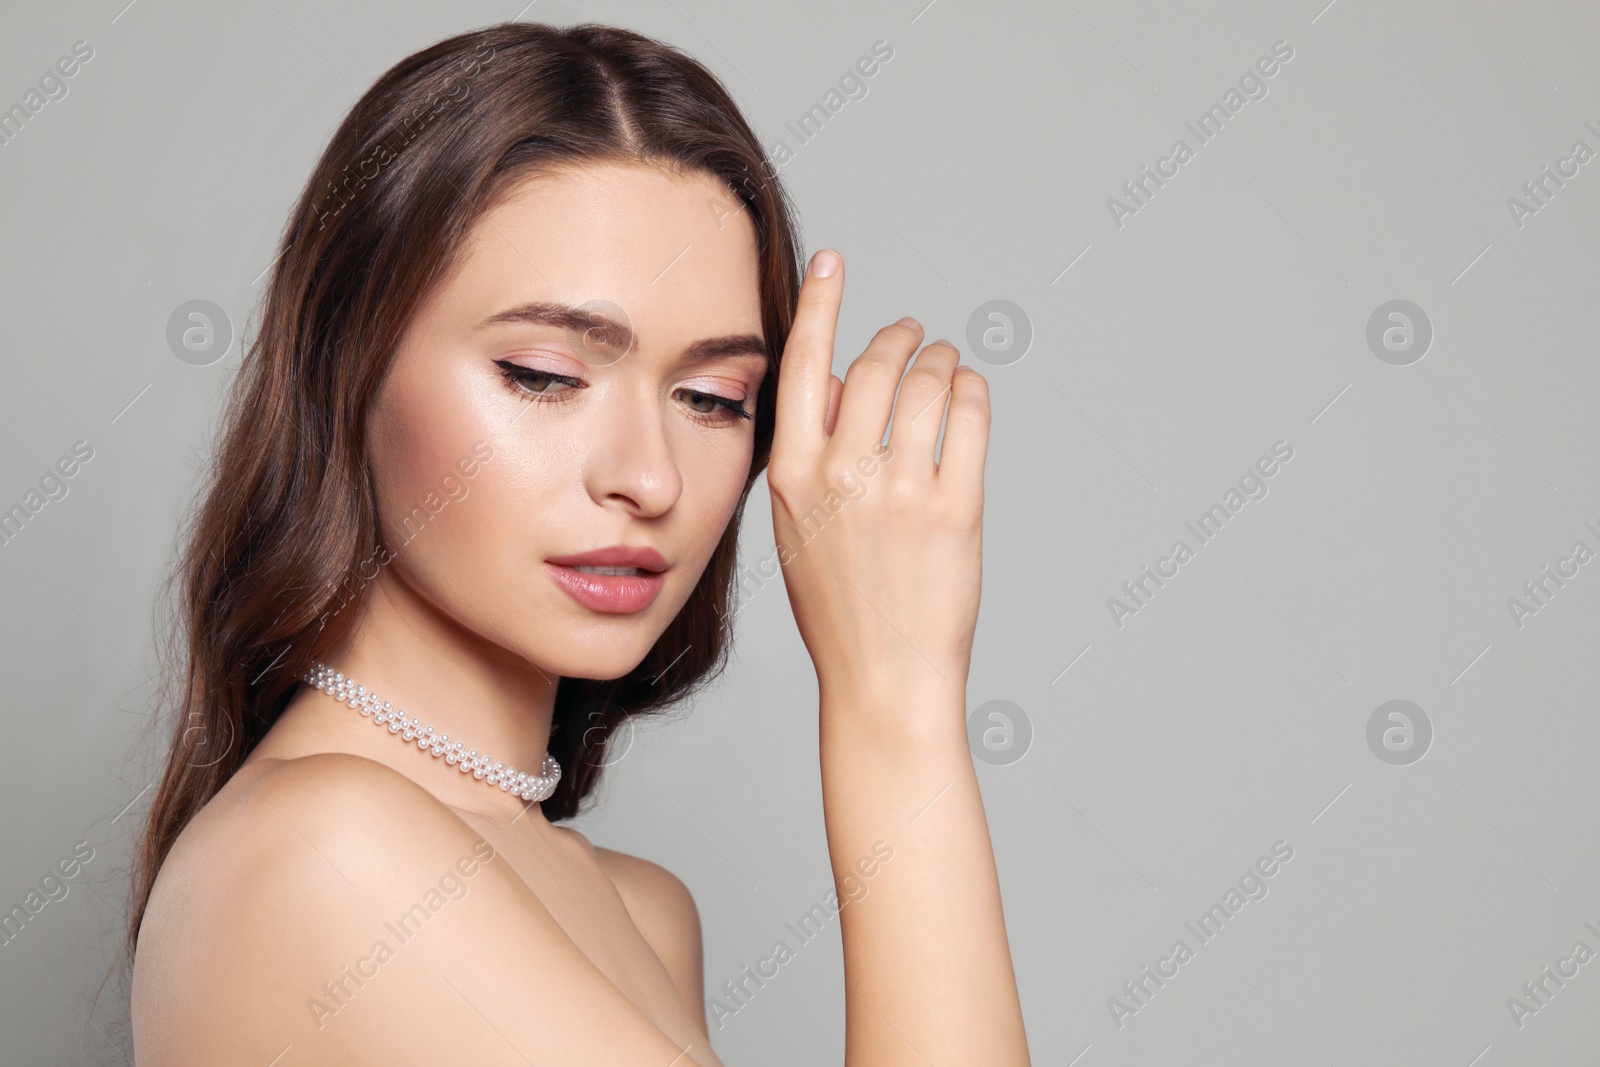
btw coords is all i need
(516, 376)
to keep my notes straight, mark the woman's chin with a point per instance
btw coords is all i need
(599, 665)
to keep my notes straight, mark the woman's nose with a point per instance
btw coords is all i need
(631, 461)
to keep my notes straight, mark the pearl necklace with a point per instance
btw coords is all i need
(469, 761)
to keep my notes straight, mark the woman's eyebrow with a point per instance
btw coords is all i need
(603, 331)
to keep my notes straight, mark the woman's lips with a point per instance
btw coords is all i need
(612, 594)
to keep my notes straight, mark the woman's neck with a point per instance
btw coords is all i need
(442, 673)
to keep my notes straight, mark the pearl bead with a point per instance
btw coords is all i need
(468, 760)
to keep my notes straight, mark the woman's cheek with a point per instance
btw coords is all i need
(515, 497)
(723, 475)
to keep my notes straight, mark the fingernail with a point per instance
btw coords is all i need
(909, 321)
(825, 263)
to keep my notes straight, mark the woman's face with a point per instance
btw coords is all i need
(508, 434)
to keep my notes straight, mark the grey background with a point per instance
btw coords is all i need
(1229, 313)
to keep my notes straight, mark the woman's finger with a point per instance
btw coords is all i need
(966, 432)
(919, 409)
(871, 381)
(807, 365)
(835, 390)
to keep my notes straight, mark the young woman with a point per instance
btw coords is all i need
(537, 325)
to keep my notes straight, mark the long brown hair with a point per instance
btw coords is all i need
(288, 514)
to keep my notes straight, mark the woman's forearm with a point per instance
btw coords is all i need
(928, 975)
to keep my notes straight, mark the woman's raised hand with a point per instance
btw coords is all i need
(882, 554)
(881, 547)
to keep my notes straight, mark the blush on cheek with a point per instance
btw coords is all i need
(712, 486)
(429, 426)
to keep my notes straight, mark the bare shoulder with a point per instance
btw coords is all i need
(652, 885)
(327, 819)
(664, 911)
(370, 923)
(273, 886)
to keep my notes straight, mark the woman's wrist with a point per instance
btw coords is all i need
(889, 686)
(887, 723)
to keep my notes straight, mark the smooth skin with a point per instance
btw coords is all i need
(278, 931)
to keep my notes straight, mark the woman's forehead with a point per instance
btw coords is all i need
(664, 251)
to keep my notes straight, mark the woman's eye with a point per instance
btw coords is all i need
(532, 382)
(709, 404)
